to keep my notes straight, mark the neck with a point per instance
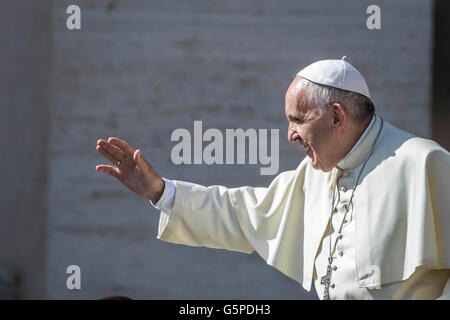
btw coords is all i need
(354, 134)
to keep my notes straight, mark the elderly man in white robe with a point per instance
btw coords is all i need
(364, 216)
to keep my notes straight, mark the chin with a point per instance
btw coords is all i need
(318, 166)
(315, 164)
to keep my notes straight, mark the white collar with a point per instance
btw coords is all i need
(361, 147)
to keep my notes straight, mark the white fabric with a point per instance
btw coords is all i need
(336, 73)
(423, 284)
(396, 231)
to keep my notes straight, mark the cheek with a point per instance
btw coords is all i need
(320, 141)
(306, 133)
(310, 136)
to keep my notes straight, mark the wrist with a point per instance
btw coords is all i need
(158, 191)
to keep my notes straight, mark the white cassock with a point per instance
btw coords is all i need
(394, 244)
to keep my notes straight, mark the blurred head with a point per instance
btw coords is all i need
(116, 298)
(325, 120)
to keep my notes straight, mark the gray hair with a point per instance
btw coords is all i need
(358, 106)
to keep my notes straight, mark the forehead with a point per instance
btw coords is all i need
(295, 99)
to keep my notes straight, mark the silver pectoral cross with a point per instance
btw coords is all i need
(326, 280)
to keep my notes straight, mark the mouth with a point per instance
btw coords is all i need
(307, 147)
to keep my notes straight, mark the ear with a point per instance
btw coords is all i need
(338, 115)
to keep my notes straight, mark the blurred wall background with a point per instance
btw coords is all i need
(139, 70)
(25, 80)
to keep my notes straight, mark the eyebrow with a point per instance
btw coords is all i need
(294, 118)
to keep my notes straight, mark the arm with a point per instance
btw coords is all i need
(196, 215)
(268, 220)
(239, 219)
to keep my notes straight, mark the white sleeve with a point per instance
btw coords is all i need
(165, 203)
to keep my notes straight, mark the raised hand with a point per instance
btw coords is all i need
(130, 168)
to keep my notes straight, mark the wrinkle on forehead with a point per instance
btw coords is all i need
(298, 91)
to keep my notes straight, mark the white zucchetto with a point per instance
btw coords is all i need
(336, 73)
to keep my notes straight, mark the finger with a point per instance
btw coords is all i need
(140, 160)
(125, 147)
(111, 170)
(107, 155)
(112, 150)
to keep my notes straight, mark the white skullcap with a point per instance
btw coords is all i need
(336, 73)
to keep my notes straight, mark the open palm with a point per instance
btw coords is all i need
(130, 168)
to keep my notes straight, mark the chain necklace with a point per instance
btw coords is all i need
(326, 279)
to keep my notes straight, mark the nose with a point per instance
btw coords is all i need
(292, 135)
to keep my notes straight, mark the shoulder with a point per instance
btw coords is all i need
(410, 147)
(302, 167)
(421, 146)
(293, 176)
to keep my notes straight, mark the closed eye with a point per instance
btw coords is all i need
(296, 120)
